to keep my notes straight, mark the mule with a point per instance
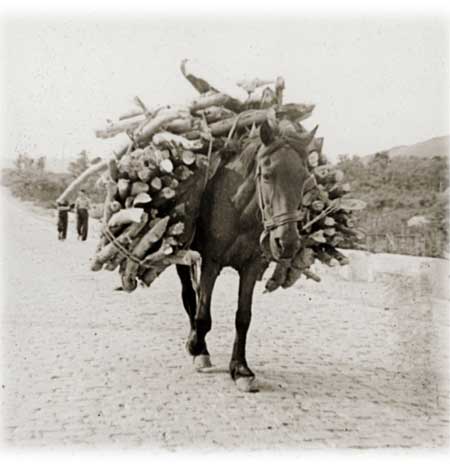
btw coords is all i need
(248, 216)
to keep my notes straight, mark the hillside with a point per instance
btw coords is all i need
(398, 184)
(437, 146)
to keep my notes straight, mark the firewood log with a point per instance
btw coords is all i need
(151, 274)
(176, 229)
(155, 184)
(166, 166)
(279, 89)
(216, 113)
(325, 258)
(156, 122)
(164, 250)
(142, 199)
(125, 216)
(167, 139)
(317, 237)
(114, 207)
(139, 187)
(342, 259)
(278, 277)
(337, 239)
(145, 174)
(182, 173)
(188, 157)
(186, 126)
(108, 210)
(201, 85)
(304, 259)
(351, 204)
(115, 129)
(292, 275)
(173, 242)
(110, 251)
(163, 196)
(113, 170)
(339, 190)
(123, 186)
(129, 202)
(327, 221)
(329, 231)
(313, 160)
(311, 275)
(140, 250)
(317, 205)
(205, 101)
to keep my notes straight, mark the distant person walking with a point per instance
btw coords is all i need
(63, 209)
(82, 205)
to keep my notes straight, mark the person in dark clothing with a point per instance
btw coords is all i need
(82, 205)
(63, 219)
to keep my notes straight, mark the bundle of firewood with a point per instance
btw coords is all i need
(327, 224)
(154, 183)
(152, 202)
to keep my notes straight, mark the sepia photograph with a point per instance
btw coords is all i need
(225, 230)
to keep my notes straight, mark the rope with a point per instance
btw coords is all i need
(120, 247)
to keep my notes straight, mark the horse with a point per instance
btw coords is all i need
(248, 216)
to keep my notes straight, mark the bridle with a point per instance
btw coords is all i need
(271, 222)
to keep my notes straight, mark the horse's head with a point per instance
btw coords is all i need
(282, 177)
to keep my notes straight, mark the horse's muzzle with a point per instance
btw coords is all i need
(285, 241)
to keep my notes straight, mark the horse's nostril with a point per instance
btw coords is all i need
(279, 243)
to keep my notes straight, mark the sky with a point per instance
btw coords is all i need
(377, 82)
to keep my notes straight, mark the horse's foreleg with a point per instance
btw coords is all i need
(202, 321)
(239, 370)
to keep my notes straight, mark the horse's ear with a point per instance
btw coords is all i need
(266, 133)
(319, 144)
(308, 138)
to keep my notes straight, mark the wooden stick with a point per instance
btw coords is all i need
(145, 243)
(125, 216)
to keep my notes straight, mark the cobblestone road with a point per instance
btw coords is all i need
(340, 364)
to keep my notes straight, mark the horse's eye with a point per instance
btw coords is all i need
(266, 176)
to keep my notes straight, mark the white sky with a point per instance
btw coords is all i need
(377, 82)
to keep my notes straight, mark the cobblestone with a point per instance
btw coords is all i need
(340, 364)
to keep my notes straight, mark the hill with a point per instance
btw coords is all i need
(437, 146)
(397, 185)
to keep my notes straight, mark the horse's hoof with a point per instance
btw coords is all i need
(246, 384)
(202, 362)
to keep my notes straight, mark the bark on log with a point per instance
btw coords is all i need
(115, 129)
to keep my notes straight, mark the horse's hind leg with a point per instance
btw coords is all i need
(188, 294)
(196, 343)
(199, 315)
(239, 370)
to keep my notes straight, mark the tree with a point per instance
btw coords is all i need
(80, 164)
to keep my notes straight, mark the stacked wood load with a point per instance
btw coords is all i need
(154, 183)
